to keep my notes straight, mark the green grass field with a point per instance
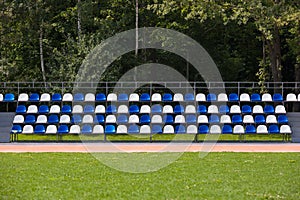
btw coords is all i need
(217, 176)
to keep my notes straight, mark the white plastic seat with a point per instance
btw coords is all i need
(248, 119)
(262, 129)
(202, 119)
(178, 97)
(134, 97)
(258, 109)
(89, 97)
(75, 129)
(23, 97)
(266, 97)
(156, 97)
(235, 109)
(121, 129)
(168, 129)
(215, 129)
(280, 109)
(112, 97)
(291, 97)
(67, 97)
(110, 119)
(88, 119)
(51, 129)
(285, 129)
(145, 129)
(98, 129)
(122, 109)
(1, 97)
(145, 109)
(212, 109)
(222, 97)
(238, 129)
(271, 119)
(179, 119)
(225, 119)
(192, 129)
(168, 109)
(298, 97)
(41, 119)
(244, 97)
(100, 109)
(18, 119)
(64, 119)
(54, 109)
(190, 109)
(156, 119)
(77, 109)
(133, 119)
(45, 97)
(27, 129)
(201, 97)
(32, 109)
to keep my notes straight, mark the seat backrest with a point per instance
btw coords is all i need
(211, 97)
(156, 97)
(39, 129)
(285, 129)
(75, 129)
(63, 129)
(227, 129)
(178, 97)
(145, 129)
(88, 109)
(110, 119)
(233, 97)
(121, 119)
(200, 97)
(258, 109)
(248, 119)
(100, 97)
(76, 119)
(179, 119)
(66, 109)
(225, 119)
(203, 129)
(269, 109)
(178, 109)
(54, 109)
(191, 119)
(98, 129)
(67, 97)
(111, 109)
(266, 97)
(9, 97)
(134, 109)
(41, 119)
(282, 119)
(180, 129)
(262, 129)
(246, 109)
(134, 119)
(237, 119)
(213, 119)
(202, 119)
(250, 129)
(43, 109)
(89, 97)
(215, 129)
(168, 119)
(64, 119)
(86, 129)
(51, 129)
(100, 109)
(56, 97)
(260, 119)
(156, 128)
(78, 97)
(32, 109)
(291, 97)
(190, 109)
(201, 109)
(168, 109)
(133, 129)
(238, 129)
(122, 129)
(271, 119)
(145, 109)
(168, 129)
(255, 97)
(123, 97)
(110, 129)
(189, 97)
(156, 108)
(277, 97)
(53, 119)
(274, 128)
(45, 97)
(30, 119)
(244, 97)
(112, 97)
(212, 109)
(235, 109)
(123, 109)
(18, 119)
(23, 97)
(145, 119)
(156, 119)
(99, 119)
(192, 129)
(134, 97)
(167, 97)
(224, 109)
(77, 109)
(27, 129)
(145, 97)
(21, 109)
(222, 97)
(280, 109)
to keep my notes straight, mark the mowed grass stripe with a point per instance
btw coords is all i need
(217, 176)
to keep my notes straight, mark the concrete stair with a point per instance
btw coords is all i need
(294, 121)
(6, 121)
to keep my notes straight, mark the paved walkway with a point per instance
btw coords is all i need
(149, 147)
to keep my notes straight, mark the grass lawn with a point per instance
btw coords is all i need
(217, 176)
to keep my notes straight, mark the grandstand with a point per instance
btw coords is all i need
(54, 109)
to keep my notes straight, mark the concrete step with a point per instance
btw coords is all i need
(6, 119)
(294, 121)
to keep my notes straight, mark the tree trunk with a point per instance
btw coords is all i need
(42, 54)
(79, 19)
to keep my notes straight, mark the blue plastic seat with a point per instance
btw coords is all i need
(123, 97)
(167, 97)
(145, 119)
(9, 97)
(134, 109)
(133, 129)
(110, 129)
(236, 119)
(255, 97)
(56, 97)
(246, 109)
(168, 119)
(269, 109)
(76, 119)
(282, 119)
(277, 97)
(203, 129)
(190, 119)
(66, 109)
(34, 97)
(86, 129)
(21, 109)
(273, 129)
(201, 109)
(53, 119)
(250, 129)
(227, 129)
(100, 97)
(39, 129)
(180, 129)
(211, 97)
(260, 119)
(178, 109)
(16, 129)
(88, 109)
(99, 119)
(63, 129)
(156, 108)
(224, 109)
(156, 129)
(30, 119)
(78, 97)
(233, 97)
(189, 97)
(213, 119)
(43, 109)
(145, 97)
(111, 109)
(122, 119)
